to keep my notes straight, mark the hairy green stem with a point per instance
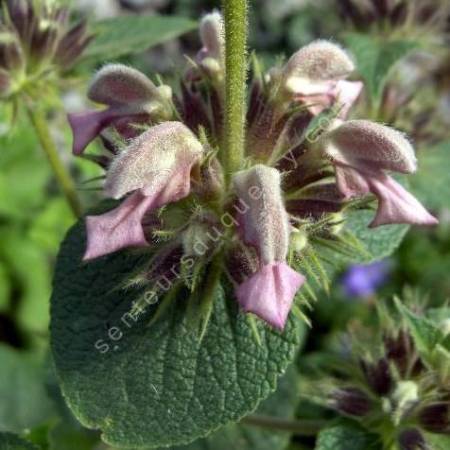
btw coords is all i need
(299, 427)
(235, 16)
(63, 177)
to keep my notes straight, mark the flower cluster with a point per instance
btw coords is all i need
(305, 165)
(35, 40)
(429, 17)
(397, 394)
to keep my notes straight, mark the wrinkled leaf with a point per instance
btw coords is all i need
(346, 437)
(113, 375)
(281, 404)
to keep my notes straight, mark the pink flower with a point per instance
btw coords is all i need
(315, 75)
(156, 169)
(361, 152)
(129, 95)
(270, 291)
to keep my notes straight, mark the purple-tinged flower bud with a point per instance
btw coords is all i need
(366, 145)
(361, 151)
(412, 439)
(319, 61)
(212, 54)
(378, 376)
(315, 76)
(400, 350)
(264, 223)
(128, 94)
(11, 54)
(72, 46)
(43, 41)
(364, 280)
(436, 418)
(351, 401)
(21, 15)
(156, 168)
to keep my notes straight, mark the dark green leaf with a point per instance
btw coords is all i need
(9, 441)
(375, 58)
(132, 34)
(23, 399)
(281, 404)
(346, 437)
(154, 385)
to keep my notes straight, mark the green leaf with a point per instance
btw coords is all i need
(426, 334)
(24, 403)
(9, 441)
(379, 242)
(346, 437)
(154, 385)
(375, 58)
(133, 34)
(431, 183)
(281, 404)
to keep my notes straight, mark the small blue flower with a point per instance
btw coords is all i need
(364, 280)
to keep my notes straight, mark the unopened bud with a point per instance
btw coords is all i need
(412, 439)
(212, 36)
(436, 418)
(299, 240)
(317, 62)
(405, 395)
(11, 55)
(352, 401)
(378, 376)
(196, 240)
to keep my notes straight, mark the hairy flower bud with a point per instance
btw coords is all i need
(368, 145)
(128, 94)
(156, 168)
(270, 291)
(212, 55)
(310, 68)
(361, 151)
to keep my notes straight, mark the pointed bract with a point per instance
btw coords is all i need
(269, 293)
